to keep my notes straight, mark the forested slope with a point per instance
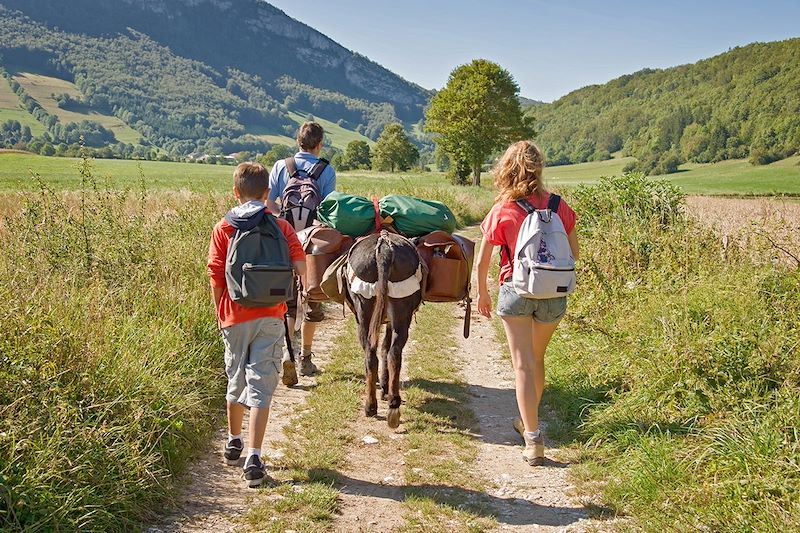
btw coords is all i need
(743, 103)
(189, 73)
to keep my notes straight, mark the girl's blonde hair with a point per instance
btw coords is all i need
(518, 173)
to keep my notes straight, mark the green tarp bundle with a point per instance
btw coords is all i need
(351, 215)
(413, 217)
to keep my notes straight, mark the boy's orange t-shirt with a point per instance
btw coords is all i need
(502, 224)
(228, 312)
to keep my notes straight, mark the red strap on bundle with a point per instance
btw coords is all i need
(378, 221)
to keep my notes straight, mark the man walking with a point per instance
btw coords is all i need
(306, 163)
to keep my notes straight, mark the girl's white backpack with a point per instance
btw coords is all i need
(543, 266)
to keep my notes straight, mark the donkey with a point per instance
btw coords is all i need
(382, 258)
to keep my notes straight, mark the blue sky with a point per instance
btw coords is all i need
(551, 48)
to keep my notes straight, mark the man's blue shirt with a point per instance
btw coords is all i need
(304, 161)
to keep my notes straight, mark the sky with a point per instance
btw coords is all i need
(551, 48)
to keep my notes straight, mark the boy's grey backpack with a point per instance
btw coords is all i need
(301, 196)
(543, 266)
(258, 267)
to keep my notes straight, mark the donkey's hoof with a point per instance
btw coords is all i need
(393, 418)
(371, 410)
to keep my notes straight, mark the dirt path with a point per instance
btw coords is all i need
(526, 498)
(214, 495)
(372, 490)
(372, 487)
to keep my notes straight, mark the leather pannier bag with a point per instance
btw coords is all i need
(323, 246)
(449, 261)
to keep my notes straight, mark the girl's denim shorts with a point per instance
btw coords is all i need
(545, 311)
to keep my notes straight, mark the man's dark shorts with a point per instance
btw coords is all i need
(314, 313)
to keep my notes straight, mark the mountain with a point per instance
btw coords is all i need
(743, 103)
(527, 102)
(188, 73)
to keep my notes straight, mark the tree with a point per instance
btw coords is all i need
(393, 149)
(476, 114)
(356, 156)
(276, 153)
(243, 157)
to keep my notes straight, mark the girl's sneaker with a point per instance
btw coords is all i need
(254, 471)
(533, 454)
(233, 451)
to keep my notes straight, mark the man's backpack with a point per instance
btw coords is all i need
(543, 266)
(258, 267)
(301, 196)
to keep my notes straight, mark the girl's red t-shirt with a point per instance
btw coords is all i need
(502, 224)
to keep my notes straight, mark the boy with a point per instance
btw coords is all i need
(253, 336)
(309, 140)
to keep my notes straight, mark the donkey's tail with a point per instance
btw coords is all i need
(384, 257)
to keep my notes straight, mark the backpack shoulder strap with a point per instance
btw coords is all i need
(526, 205)
(271, 222)
(291, 167)
(554, 202)
(316, 171)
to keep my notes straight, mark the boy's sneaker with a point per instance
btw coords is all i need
(233, 451)
(533, 454)
(254, 471)
(307, 367)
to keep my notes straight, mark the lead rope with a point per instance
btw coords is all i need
(378, 221)
(467, 315)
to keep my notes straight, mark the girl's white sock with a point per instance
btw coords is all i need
(254, 451)
(533, 434)
(234, 437)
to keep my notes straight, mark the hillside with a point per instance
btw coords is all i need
(743, 103)
(194, 74)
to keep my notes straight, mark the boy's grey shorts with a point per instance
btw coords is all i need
(252, 355)
(545, 311)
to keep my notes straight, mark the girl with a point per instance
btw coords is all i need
(529, 323)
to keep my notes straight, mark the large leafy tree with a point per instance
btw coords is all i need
(476, 114)
(276, 153)
(357, 156)
(394, 150)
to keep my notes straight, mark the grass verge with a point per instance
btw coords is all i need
(677, 372)
(442, 493)
(110, 359)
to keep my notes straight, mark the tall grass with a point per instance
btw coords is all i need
(111, 369)
(110, 364)
(679, 367)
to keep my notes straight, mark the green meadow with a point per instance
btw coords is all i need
(728, 178)
(10, 109)
(336, 135)
(43, 88)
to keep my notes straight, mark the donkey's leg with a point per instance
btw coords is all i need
(399, 339)
(387, 343)
(400, 316)
(371, 364)
(364, 310)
